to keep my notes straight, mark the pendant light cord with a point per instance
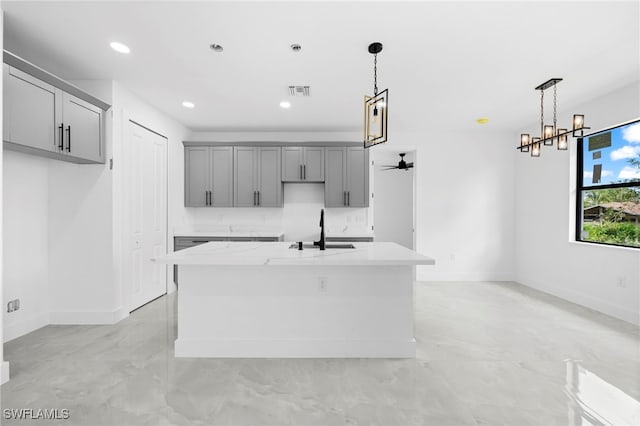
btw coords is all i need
(375, 75)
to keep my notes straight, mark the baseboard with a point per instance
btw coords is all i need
(4, 372)
(603, 306)
(88, 318)
(273, 348)
(20, 328)
(427, 275)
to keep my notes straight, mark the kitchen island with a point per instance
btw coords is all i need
(257, 299)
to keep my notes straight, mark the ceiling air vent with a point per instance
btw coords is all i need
(299, 90)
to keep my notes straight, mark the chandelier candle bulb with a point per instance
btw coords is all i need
(548, 135)
(535, 147)
(563, 144)
(524, 142)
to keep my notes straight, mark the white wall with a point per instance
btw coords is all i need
(4, 366)
(547, 258)
(25, 242)
(465, 205)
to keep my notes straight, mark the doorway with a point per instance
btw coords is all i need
(393, 200)
(146, 153)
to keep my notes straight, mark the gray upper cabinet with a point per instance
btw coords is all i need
(347, 177)
(302, 164)
(208, 176)
(46, 116)
(81, 129)
(29, 110)
(257, 176)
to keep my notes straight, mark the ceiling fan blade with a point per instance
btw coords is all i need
(390, 168)
(409, 165)
(388, 165)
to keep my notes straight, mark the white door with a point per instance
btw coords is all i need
(148, 219)
(393, 207)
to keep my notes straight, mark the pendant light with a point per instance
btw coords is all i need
(376, 106)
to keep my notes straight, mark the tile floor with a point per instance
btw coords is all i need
(488, 354)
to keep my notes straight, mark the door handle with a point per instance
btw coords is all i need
(69, 138)
(61, 145)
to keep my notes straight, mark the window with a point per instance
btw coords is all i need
(608, 189)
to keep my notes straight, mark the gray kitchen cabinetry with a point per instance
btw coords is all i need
(302, 164)
(46, 116)
(208, 176)
(257, 176)
(346, 177)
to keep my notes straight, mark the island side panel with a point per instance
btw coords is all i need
(285, 311)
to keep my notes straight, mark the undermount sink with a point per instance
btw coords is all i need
(327, 246)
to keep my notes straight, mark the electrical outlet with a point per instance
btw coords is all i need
(10, 306)
(322, 284)
(16, 304)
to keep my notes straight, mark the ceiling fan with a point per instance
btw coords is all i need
(402, 165)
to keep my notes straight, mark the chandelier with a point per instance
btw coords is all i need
(376, 106)
(550, 133)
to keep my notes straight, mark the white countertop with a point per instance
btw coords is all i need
(279, 254)
(230, 234)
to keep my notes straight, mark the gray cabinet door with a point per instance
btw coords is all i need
(292, 161)
(82, 125)
(221, 173)
(269, 182)
(357, 185)
(245, 176)
(313, 167)
(29, 110)
(334, 183)
(197, 179)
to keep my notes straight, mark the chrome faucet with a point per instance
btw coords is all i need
(321, 242)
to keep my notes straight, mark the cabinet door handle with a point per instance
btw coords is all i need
(61, 145)
(254, 198)
(258, 197)
(344, 198)
(348, 198)
(69, 138)
(206, 198)
(304, 172)
(211, 197)
(300, 171)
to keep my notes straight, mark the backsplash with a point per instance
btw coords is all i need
(298, 219)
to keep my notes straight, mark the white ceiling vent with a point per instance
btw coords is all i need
(300, 90)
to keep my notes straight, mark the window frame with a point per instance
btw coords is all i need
(580, 187)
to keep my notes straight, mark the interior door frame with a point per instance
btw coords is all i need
(127, 284)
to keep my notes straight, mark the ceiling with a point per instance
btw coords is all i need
(445, 63)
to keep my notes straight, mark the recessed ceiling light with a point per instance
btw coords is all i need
(119, 47)
(216, 47)
(482, 120)
(188, 104)
(285, 104)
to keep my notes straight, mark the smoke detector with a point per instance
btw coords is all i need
(298, 91)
